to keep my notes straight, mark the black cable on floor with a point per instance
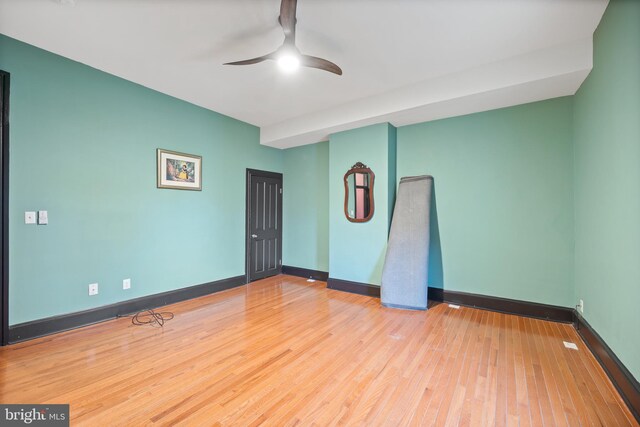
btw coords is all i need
(151, 317)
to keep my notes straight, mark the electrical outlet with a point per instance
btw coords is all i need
(126, 284)
(93, 289)
(29, 217)
(581, 306)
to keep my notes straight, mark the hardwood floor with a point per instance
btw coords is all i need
(282, 351)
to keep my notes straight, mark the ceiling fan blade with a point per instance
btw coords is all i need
(319, 63)
(287, 19)
(252, 60)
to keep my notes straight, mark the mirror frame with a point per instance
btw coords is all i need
(359, 168)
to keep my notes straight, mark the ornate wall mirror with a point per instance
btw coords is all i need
(358, 193)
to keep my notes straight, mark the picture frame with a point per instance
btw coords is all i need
(179, 171)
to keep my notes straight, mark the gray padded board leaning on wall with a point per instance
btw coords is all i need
(404, 275)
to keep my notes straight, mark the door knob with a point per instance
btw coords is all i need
(254, 236)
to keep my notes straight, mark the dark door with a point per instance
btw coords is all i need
(264, 224)
(4, 213)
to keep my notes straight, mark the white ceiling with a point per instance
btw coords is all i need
(404, 61)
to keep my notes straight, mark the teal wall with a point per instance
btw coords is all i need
(306, 207)
(83, 147)
(503, 191)
(357, 249)
(607, 184)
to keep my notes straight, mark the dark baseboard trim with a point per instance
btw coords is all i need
(622, 379)
(305, 272)
(51, 325)
(353, 287)
(504, 305)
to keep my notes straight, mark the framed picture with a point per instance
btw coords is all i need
(179, 170)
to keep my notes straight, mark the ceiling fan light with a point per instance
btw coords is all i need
(289, 62)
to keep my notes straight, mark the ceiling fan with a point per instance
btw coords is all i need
(288, 56)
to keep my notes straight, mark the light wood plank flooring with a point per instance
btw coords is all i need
(282, 351)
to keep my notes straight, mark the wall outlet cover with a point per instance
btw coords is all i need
(29, 217)
(93, 289)
(126, 284)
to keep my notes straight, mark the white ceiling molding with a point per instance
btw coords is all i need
(404, 61)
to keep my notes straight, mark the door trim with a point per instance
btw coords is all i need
(4, 213)
(247, 214)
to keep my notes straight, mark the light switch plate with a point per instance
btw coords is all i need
(43, 217)
(29, 217)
